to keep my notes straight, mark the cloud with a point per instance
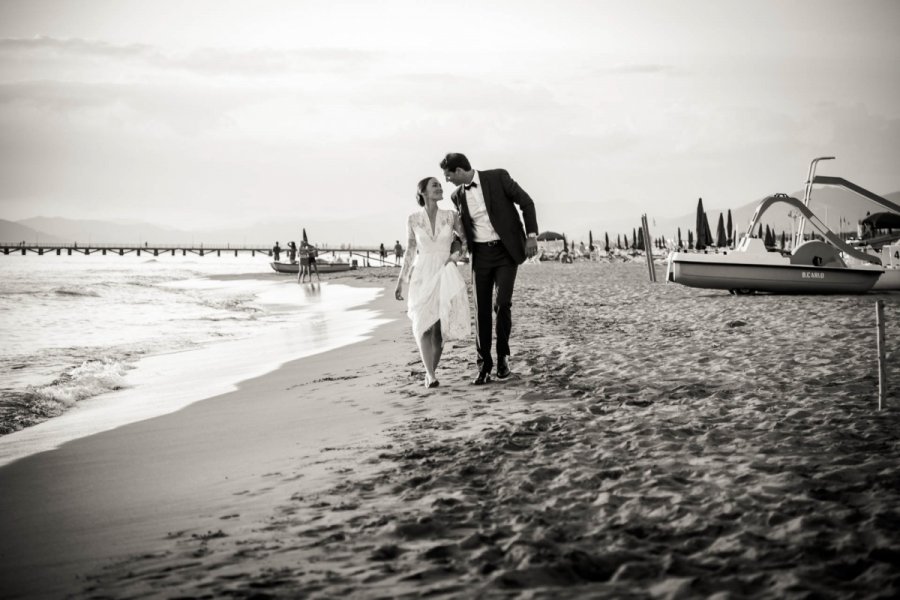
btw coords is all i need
(453, 93)
(47, 53)
(150, 108)
(261, 61)
(638, 69)
(18, 47)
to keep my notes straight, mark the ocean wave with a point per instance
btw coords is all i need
(38, 403)
(76, 291)
(91, 378)
(22, 292)
(242, 317)
(234, 303)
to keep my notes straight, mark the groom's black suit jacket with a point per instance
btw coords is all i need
(501, 195)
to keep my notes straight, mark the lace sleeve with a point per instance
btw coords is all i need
(410, 253)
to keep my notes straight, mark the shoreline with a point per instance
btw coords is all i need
(166, 381)
(653, 442)
(96, 497)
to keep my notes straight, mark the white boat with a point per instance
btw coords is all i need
(813, 267)
(753, 268)
(322, 266)
(827, 266)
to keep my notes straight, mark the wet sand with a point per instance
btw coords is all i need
(654, 441)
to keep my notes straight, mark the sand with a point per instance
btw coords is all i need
(655, 441)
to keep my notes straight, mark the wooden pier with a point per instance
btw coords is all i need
(371, 256)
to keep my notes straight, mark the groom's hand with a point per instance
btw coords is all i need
(531, 247)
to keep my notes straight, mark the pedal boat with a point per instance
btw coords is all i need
(813, 267)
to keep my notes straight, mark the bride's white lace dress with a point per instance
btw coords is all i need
(437, 290)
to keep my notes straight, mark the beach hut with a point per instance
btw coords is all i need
(550, 243)
(884, 222)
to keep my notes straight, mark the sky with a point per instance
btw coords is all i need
(197, 114)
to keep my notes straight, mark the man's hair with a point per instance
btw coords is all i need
(455, 160)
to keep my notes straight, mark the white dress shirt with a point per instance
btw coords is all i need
(483, 231)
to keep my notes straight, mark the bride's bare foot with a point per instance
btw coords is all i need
(431, 382)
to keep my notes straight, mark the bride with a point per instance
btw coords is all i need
(438, 301)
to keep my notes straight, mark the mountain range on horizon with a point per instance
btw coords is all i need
(838, 208)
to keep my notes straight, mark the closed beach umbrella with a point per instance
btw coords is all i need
(606, 246)
(680, 244)
(590, 240)
(721, 236)
(690, 240)
(730, 228)
(704, 235)
(305, 239)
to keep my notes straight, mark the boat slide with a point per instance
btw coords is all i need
(815, 222)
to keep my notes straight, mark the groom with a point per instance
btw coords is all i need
(486, 203)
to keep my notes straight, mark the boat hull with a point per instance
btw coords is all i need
(323, 267)
(782, 279)
(888, 282)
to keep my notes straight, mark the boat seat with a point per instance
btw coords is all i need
(817, 254)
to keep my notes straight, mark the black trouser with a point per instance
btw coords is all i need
(492, 266)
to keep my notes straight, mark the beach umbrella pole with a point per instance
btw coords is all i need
(648, 248)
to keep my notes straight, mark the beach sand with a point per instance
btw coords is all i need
(654, 441)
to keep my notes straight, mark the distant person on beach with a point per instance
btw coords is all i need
(438, 304)
(292, 252)
(276, 252)
(487, 201)
(303, 271)
(382, 252)
(398, 253)
(308, 264)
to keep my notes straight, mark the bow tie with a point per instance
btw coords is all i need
(470, 185)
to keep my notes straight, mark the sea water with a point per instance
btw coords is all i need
(94, 342)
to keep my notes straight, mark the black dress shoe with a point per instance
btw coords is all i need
(503, 367)
(483, 378)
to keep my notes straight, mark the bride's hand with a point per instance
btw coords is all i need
(452, 258)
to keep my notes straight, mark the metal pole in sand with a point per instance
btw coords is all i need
(879, 338)
(648, 248)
